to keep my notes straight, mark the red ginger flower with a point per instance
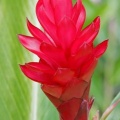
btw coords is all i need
(67, 56)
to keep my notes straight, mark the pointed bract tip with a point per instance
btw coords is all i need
(29, 25)
(39, 3)
(97, 19)
(106, 43)
(97, 22)
(28, 22)
(19, 37)
(22, 67)
(100, 49)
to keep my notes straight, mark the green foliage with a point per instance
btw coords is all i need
(16, 90)
(115, 113)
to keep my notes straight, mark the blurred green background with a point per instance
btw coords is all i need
(22, 99)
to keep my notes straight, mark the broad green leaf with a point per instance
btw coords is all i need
(15, 89)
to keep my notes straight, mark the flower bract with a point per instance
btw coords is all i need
(67, 55)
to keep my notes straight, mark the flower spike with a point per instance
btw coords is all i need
(67, 55)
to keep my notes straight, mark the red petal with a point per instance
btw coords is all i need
(37, 33)
(88, 69)
(75, 90)
(55, 91)
(100, 49)
(49, 27)
(57, 102)
(69, 109)
(79, 15)
(36, 75)
(91, 31)
(76, 11)
(81, 19)
(84, 50)
(87, 35)
(83, 111)
(62, 8)
(66, 32)
(53, 3)
(41, 67)
(81, 56)
(57, 55)
(91, 101)
(61, 118)
(63, 76)
(86, 92)
(76, 62)
(33, 45)
(30, 43)
(49, 10)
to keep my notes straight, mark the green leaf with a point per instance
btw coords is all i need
(115, 115)
(15, 88)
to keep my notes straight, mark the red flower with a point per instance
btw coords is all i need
(67, 55)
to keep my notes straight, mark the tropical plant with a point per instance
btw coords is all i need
(16, 100)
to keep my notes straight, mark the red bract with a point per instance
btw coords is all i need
(67, 55)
